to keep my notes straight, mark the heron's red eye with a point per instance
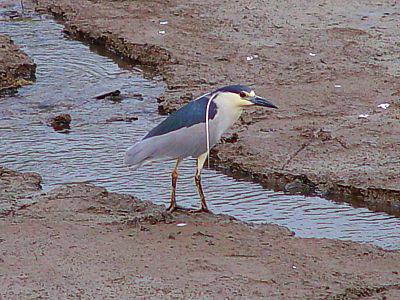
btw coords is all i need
(242, 94)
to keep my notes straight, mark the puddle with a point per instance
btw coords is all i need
(69, 75)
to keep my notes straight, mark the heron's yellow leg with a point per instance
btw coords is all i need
(174, 176)
(197, 178)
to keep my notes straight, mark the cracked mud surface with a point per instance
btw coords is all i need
(323, 62)
(82, 241)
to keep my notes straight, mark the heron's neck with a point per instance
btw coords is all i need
(228, 113)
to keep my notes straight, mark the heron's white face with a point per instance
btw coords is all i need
(245, 98)
(238, 100)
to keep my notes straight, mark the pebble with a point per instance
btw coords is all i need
(60, 122)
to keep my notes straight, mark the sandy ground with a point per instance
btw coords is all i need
(16, 68)
(80, 241)
(323, 62)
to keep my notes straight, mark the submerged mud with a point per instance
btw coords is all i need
(83, 241)
(324, 65)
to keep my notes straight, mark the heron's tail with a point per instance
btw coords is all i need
(137, 155)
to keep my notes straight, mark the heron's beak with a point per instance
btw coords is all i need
(262, 102)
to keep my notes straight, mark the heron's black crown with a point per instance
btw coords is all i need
(234, 89)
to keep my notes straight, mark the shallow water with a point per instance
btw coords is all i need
(69, 74)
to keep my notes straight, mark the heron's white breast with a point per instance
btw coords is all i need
(228, 112)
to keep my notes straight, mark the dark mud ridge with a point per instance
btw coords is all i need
(377, 199)
(140, 54)
(21, 190)
(189, 68)
(16, 68)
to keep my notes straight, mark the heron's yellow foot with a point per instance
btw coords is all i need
(174, 207)
(200, 210)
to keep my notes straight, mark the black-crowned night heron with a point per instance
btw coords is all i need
(193, 130)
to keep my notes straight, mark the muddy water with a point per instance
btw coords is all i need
(69, 74)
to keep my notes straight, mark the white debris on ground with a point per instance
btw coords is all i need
(363, 116)
(312, 54)
(384, 105)
(251, 57)
(161, 32)
(163, 22)
(338, 86)
(181, 224)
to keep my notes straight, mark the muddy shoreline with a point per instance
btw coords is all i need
(316, 140)
(83, 241)
(16, 68)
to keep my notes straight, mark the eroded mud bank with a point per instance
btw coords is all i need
(16, 68)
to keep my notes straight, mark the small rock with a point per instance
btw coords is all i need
(300, 185)
(12, 14)
(128, 119)
(60, 122)
(231, 139)
(137, 96)
(113, 95)
(323, 134)
(23, 276)
(221, 58)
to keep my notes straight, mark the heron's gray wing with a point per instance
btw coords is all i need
(191, 114)
(180, 135)
(181, 143)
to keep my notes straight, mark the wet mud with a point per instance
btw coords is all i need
(80, 240)
(327, 65)
(16, 68)
(16, 190)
